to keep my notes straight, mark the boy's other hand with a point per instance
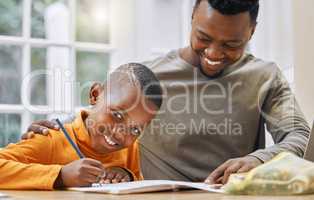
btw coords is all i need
(40, 127)
(237, 165)
(79, 173)
(115, 175)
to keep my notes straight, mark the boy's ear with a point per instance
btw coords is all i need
(96, 89)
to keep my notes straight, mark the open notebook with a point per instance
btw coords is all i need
(3, 195)
(146, 186)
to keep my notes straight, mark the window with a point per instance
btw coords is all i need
(45, 47)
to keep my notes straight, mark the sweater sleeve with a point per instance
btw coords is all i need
(284, 120)
(25, 165)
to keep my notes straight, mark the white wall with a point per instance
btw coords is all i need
(158, 27)
(143, 29)
(273, 39)
(122, 31)
(303, 21)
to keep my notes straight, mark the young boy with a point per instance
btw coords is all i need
(106, 134)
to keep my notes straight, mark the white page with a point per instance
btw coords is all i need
(3, 195)
(146, 186)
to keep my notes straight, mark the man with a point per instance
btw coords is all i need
(217, 102)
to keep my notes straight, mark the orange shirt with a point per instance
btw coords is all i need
(35, 163)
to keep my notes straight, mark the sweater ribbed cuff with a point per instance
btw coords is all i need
(262, 155)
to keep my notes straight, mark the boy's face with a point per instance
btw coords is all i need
(119, 115)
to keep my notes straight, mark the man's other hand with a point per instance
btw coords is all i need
(236, 165)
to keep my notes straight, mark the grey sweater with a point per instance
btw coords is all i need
(204, 122)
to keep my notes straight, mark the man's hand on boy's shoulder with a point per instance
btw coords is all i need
(40, 127)
(85, 172)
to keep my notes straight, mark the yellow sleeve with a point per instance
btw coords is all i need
(25, 165)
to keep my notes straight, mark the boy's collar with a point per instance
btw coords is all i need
(80, 129)
(83, 138)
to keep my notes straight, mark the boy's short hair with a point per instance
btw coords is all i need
(144, 77)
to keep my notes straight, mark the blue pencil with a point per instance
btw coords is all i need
(79, 153)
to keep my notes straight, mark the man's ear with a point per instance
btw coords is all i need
(96, 89)
(193, 12)
(253, 30)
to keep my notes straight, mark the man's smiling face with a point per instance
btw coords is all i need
(219, 40)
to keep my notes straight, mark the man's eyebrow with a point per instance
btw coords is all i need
(204, 34)
(209, 37)
(235, 41)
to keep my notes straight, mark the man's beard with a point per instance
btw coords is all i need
(199, 54)
(218, 74)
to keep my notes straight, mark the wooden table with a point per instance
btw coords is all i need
(181, 195)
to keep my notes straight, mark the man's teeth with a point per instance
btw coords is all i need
(110, 141)
(212, 62)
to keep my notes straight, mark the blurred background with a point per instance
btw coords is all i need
(52, 50)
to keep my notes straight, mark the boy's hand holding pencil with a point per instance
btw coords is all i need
(81, 172)
(85, 172)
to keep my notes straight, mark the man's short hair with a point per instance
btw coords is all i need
(233, 7)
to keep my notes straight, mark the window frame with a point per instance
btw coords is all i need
(26, 42)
